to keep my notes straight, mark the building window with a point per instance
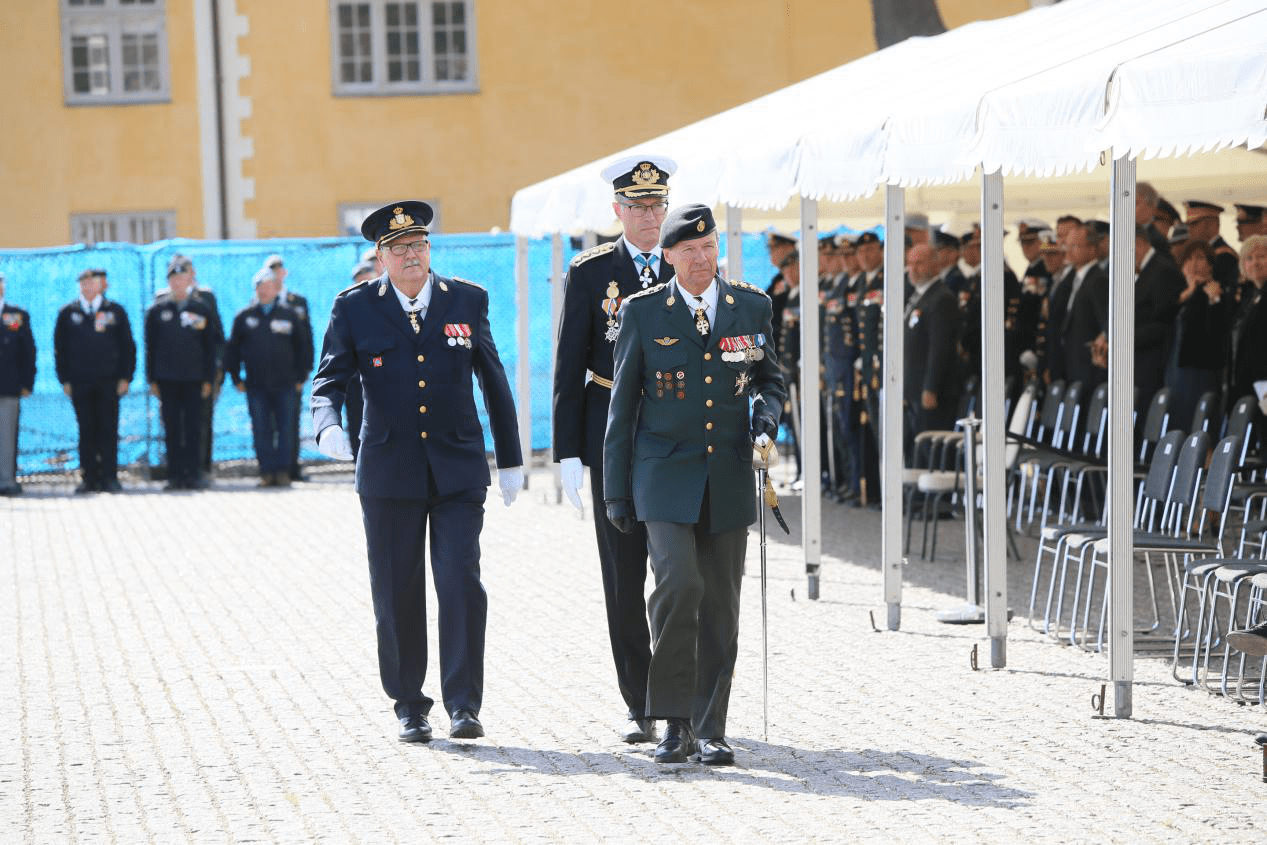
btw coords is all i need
(114, 51)
(139, 227)
(353, 214)
(403, 46)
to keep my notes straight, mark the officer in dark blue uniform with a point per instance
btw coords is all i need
(299, 305)
(95, 357)
(181, 341)
(416, 339)
(597, 282)
(267, 338)
(184, 264)
(17, 380)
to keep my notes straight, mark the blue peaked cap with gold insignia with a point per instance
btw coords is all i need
(686, 223)
(399, 218)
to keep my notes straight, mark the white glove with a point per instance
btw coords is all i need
(1262, 405)
(511, 481)
(766, 453)
(1029, 360)
(572, 476)
(333, 443)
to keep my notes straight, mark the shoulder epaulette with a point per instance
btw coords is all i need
(362, 283)
(648, 292)
(601, 249)
(750, 288)
(468, 283)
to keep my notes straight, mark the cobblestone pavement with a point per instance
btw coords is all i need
(200, 667)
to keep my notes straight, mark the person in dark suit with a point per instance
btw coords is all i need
(1086, 316)
(970, 310)
(931, 385)
(946, 253)
(183, 265)
(299, 305)
(95, 357)
(598, 280)
(17, 380)
(267, 339)
(868, 335)
(1250, 220)
(1247, 372)
(1203, 225)
(1148, 214)
(416, 340)
(181, 344)
(1157, 286)
(690, 356)
(1199, 352)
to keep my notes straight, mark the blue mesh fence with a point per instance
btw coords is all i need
(43, 280)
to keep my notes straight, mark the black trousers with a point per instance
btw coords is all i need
(396, 539)
(694, 621)
(293, 458)
(623, 558)
(97, 412)
(182, 408)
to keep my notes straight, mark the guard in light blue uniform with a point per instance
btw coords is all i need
(416, 340)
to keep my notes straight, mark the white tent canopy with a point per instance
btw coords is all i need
(1055, 91)
(1045, 92)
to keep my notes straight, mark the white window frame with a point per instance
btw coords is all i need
(352, 214)
(379, 85)
(132, 227)
(111, 20)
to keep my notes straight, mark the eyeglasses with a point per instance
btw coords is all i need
(638, 209)
(403, 249)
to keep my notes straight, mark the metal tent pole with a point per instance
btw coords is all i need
(812, 494)
(890, 423)
(1121, 398)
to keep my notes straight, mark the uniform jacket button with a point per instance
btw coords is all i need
(421, 358)
(424, 435)
(708, 379)
(422, 409)
(422, 384)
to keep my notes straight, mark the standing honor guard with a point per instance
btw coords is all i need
(267, 339)
(598, 280)
(95, 357)
(182, 340)
(303, 333)
(690, 356)
(17, 380)
(416, 339)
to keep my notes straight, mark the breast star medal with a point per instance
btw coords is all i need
(610, 306)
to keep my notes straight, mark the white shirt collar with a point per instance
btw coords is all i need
(420, 302)
(1084, 269)
(709, 298)
(91, 306)
(967, 269)
(1148, 256)
(871, 274)
(919, 290)
(633, 250)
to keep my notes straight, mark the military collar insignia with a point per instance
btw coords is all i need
(666, 341)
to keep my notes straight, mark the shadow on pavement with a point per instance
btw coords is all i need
(869, 774)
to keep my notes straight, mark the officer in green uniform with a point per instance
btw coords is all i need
(691, 355)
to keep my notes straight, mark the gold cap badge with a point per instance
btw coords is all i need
(645, 174)
(401, 220)
(699, 227)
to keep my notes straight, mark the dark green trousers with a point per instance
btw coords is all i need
(694, 614)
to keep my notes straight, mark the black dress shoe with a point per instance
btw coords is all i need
(85, 487)
(464, 724)
(639, 730)
(414, 729)
(715, 752)
(1252, 641)
(112, 486)
(678, 744)
(11, 490)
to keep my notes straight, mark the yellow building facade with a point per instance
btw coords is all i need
(144, 119)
